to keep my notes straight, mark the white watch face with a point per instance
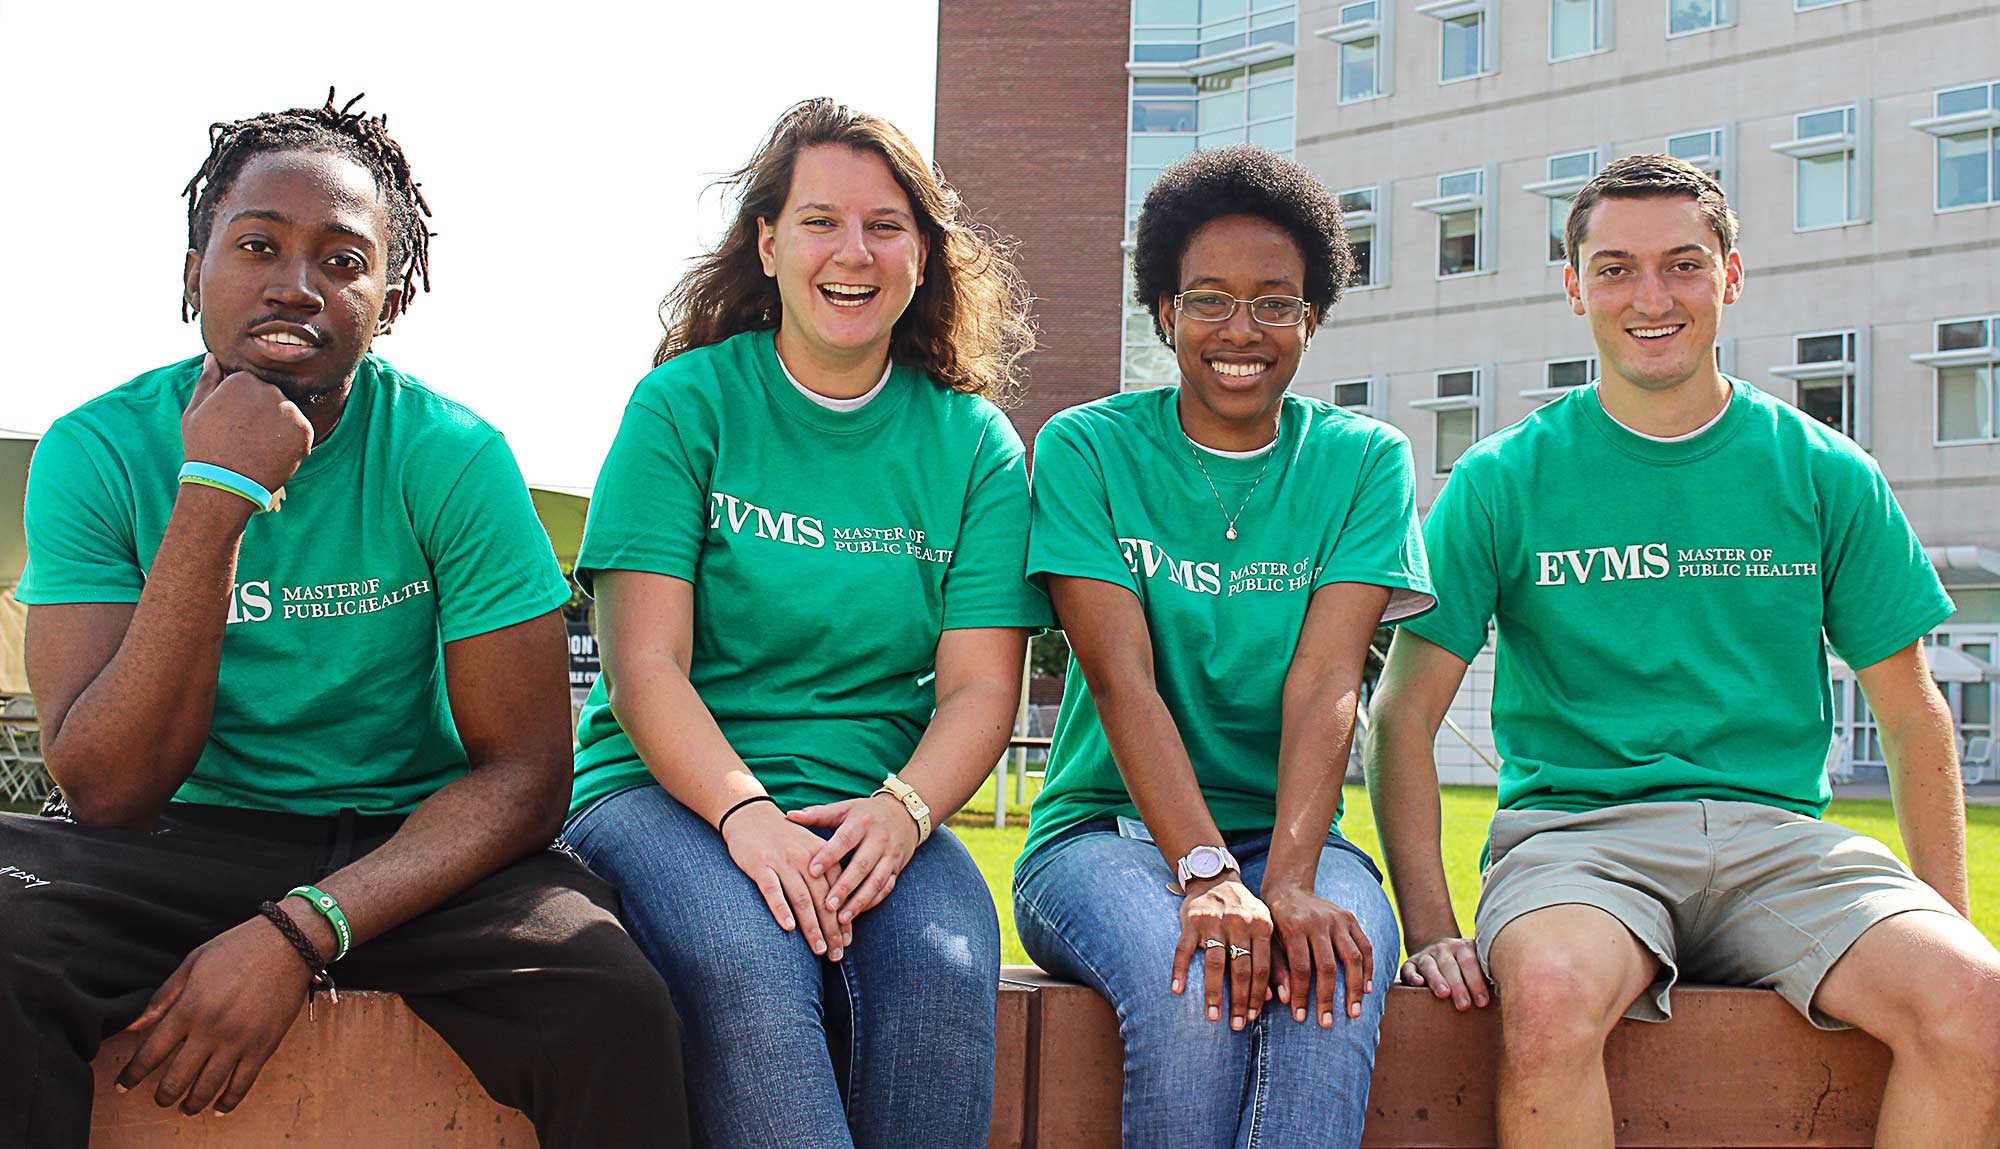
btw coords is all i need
(1204, 862)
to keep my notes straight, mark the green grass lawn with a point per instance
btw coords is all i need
(1467, 809)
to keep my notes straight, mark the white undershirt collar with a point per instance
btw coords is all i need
(831, 404)
(1665, 438)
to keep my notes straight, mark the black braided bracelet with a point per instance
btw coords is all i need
(724, 820)
(307, 951)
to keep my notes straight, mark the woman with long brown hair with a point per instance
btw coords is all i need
(807, 548)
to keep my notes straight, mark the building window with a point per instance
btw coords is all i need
(1831, 185)
(1967, 364)
(1465, 223)
(1561, 376)
(1828, 374)
(1809, 5)
(1967, 127)
(1467, 37)
(1567, 175)
(1578, 28)
(1455, 404)
(1363, 37)
(1365, 213)
(1360, 395)
(1686, 17)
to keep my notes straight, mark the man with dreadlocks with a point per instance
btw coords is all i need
(295, 643)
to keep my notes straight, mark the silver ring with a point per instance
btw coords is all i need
(1212, 943)
(1238, 952)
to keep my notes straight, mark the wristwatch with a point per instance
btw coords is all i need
(1205, 862)
(902, 792)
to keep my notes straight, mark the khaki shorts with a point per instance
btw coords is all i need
(1732, 893)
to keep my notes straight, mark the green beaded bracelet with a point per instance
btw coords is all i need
(343, 934)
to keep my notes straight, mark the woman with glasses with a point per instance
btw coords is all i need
(806, 547)
(1220, 554)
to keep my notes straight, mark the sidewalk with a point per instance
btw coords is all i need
(1983, 794)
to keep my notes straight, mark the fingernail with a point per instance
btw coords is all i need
(1177, 985)
(819, 947)
(833, 903)
(1300, 1013)
(817, 871)
(120, 1087)
(1326, 1019)
(1368, 986)
(222, 1113)
(1236, 1023)
(1253, 1015)
(837, 951)
(1354, 1010)
(846, 918)
(1214, 1013)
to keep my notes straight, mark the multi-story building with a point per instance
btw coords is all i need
(1859, 141)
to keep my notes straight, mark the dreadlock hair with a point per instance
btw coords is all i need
(339, 131)
(967, 326)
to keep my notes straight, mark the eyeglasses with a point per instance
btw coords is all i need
(1218, 306)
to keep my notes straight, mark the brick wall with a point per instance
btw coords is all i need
(1031, 110)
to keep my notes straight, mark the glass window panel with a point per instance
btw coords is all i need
(1458, 243)
(1829, 401)
(1286, 33)
(1822, 190)
(1273, 134)
(1961, 335)
(1139, 329)
(1142, 88)
(1272, 70)
(1572, 27)
(1456, 431)
(1214, 10)
(1151, 362)
(1357, 69)
(1839, 701)
(1570, 373)
(1694, 146)
(1965, 169)
(1965, 403)
(1457, 384)
(1224, 110)
(1227, 42)
(1138, 180)
(1823, 348)
(1362, 11)
(1271, 100)
(1353, 394)
(1823, 123)
(1222, 139)
(1692, 15)
(1463, 183)
(1362, 241)
(1159, 151)
(1573, 166)
(1166, 11)
(1463, 54)
(1163, 53)
(1359, 199)
(1956, 100)
(1163, 115)
(1558, 220)
(1976, 707)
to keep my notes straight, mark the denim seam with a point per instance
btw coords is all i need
(1043, 918)
(848, 1092)
(1260, 1079)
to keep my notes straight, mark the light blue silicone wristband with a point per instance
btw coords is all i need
(224, 479)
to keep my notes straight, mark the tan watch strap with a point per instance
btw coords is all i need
(903, 792)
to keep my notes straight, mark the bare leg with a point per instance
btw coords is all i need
(1564, 974)
(1927, 985)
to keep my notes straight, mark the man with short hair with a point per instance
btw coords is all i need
(1666, 554)
(295, 642)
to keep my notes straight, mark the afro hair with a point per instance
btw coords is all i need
(1239, 180)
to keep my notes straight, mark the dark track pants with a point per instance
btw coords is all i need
(527, 974)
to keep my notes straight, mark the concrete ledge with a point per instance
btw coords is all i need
(1736, 1067)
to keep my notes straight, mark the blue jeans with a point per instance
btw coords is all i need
(889, 1046)
(1094, 906)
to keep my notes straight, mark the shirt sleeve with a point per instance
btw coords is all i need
(490, 559)
(1882, 593)
(1459, 542)
(1380, 542)
(78, 526)
(986, 583)
(1070, 531)
(649, 511)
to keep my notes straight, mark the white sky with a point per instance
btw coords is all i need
(563, 214)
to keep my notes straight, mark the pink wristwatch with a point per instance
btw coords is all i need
(1205, 862)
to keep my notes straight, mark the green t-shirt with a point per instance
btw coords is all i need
(1120, 498)
(407, 528)
(829, 550)
(1660, 605)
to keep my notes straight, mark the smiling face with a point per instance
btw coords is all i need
(846, 253)
(1653, 281)
(294, 280)
(1234, 373)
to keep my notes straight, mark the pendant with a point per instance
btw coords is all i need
(1231, 532)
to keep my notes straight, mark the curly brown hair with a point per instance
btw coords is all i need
(968, 324)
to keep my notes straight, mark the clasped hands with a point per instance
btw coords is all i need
(1236, 934)
(819, 886)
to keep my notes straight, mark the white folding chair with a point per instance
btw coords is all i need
(1839, 760)
(23, 777)
(1976, 761)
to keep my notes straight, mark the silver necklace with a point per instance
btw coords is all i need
(1230, 531)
